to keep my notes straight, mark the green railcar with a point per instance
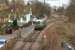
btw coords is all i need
(40, 24)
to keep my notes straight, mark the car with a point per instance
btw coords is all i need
(67, 46)
(7, 42)
(2, 42)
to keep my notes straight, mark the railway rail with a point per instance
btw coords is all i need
(27, 43)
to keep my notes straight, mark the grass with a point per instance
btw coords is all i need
(67, 32)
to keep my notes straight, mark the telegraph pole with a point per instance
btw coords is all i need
(44, 2)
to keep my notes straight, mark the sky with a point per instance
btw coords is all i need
(56, 3)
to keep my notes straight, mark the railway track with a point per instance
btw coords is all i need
(32, 37)
(31, 40)
(27, 43)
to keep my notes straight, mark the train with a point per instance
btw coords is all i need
(25, 19)
(40, 23)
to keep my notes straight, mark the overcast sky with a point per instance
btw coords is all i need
(56, 3)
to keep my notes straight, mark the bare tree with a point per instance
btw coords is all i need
(39, 9)
(60, 10)
(70, 11)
